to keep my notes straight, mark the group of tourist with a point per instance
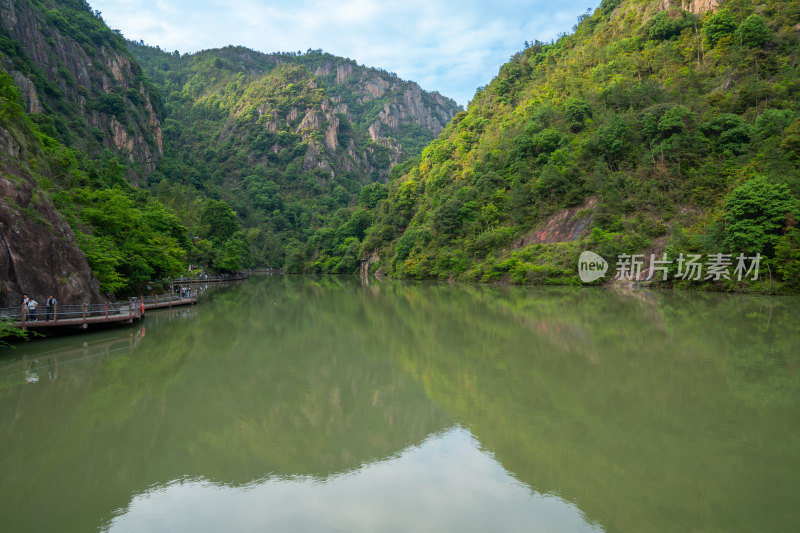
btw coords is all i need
(29, 306)
(184, 292)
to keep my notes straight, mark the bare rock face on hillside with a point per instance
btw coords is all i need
(697, 7)
(405, 105)
(83, 76)
(38, 252)
(41, 257)
(353, 120)
(407, 102)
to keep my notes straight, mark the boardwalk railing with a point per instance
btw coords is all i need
(82, 315)
(167, 298)
(210, 279)
(71, 314)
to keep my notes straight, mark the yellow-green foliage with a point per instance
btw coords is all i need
(658, 115)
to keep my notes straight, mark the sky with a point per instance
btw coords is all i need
(449, 46)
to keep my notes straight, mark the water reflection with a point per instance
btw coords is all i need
(626, 411)
(78, 353)
(413, 491)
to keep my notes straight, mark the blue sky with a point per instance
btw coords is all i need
(449, 46)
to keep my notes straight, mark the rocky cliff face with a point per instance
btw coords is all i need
(353, 119)
(80, 80)
(38, 252)
(384, 106)
(406, 102)
(697, 7)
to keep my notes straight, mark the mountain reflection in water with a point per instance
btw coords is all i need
(303, 403)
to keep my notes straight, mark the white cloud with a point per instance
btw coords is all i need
(449, 46)
(447, 483)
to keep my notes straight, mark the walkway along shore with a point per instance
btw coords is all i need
(210, 279)
(82, 316)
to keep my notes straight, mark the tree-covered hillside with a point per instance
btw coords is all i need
(662, 129)
(286, 140)
(655, 127)
(63, 213)
(80, 84)
(248, 154)
(79, 125)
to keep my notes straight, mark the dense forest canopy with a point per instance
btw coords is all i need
(666, 130)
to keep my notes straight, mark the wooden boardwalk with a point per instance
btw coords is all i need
(83, 316)
(167, 300)
(210, 279)
(73, 316)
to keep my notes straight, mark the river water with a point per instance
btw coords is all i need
(325, 404)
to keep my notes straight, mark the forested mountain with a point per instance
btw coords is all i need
(78, 124)
(655, 125)
(261, 150)
(80, 84)
(37, 247)
(287, 140)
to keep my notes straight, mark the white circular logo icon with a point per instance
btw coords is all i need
(591, 267)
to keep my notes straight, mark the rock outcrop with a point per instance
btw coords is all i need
(697, 7)
(81, 79)
(405, 105)
(406, 102)
(38, 252)
(353, 120)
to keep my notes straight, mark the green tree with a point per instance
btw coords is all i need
(371, 194)
(231, 256)
(668, 24)
(445, 218)
(791, 140)
(607, 6)
(787, 257)
(756, 213)
(753, 32)
(727, 131)
(719, 25)
(577, 111)
(8, 331)
(219, 220)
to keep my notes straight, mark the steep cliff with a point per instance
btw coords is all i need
(389, 108)
(287, 140)
(361, 120)
(39, 254)
(80, 83)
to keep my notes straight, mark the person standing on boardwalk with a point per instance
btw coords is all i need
(51, 303)
(31, 303)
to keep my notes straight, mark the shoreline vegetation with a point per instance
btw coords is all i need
(11, 333)
(643, 125)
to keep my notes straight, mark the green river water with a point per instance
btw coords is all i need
(326, 404)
